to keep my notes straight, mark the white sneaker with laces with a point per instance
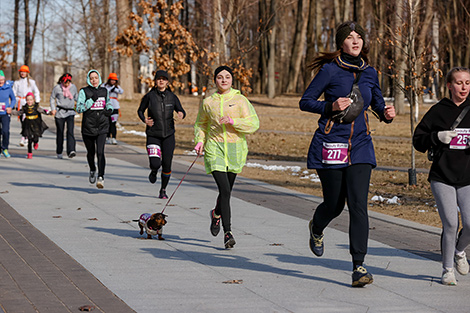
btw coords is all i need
(448, 277)
(461, 264)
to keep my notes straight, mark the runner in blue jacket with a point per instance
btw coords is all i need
(341, 149)
(7, 103)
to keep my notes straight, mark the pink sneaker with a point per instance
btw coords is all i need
(36, 145)
(30, 156)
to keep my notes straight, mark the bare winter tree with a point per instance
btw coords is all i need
(30, 33)
(123, 11)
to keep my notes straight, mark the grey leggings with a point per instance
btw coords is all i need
(447, 199)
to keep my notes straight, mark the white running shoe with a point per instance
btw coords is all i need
(461, 264)
(100, 183)
(23, 141)
(448, 277)
(113, 141)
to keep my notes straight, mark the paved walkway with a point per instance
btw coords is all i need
(65, 244)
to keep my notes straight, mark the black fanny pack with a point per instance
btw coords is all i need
(349, 114)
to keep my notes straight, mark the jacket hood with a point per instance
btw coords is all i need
(8, 84)
(88, 78)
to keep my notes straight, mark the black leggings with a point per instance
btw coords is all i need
(112, 125)
(167, 147)
(32, 140)
(95, 144)
(349, 184)
(224, 181)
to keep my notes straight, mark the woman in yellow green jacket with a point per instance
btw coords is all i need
(222, 122)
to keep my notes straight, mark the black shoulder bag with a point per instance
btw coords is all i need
(349, 114)
(432, 151)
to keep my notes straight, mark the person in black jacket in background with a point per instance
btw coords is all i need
(160, 104)
(449, 175)
(93, 102)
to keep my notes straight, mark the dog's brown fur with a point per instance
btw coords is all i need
(156, 222)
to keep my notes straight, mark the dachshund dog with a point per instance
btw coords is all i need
(153, 224)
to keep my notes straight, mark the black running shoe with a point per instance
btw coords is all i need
(153, 177)
(316, 241)
(215, 223)
(163, 194)
(361, 277)
(228, 240)
(92, 178)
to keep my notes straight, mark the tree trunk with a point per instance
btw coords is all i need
(29, 34)
(399, 84)
(126, 78)
(297, 47)
(272, 51)
(106, 38)
(311, 39)
(14, 67)
(263, 46)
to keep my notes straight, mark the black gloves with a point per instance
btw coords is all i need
(108, 113)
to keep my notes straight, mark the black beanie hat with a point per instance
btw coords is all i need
(161, 73)
(343, 31)
(222, 68)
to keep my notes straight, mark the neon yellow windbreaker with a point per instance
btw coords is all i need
(225, 147)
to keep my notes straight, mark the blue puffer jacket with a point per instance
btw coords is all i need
(7, 97)
(334, 82)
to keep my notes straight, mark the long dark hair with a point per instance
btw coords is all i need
(326, 57)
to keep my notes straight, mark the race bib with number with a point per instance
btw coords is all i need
(2, 106)
(114, 118)
(99, 104)
(154, 151)
(460, 141)
(335, 153)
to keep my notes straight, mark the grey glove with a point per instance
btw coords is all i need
(446, 136)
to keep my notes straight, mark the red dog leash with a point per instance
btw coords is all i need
(197, 155)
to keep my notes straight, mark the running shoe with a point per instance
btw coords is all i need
(23, 141)
(100, 183)
(163, 194)
(229, 242)
(316, 241)
(153, 177)
(92, 177)
(72, 154)
(29, 156)
(60, 156)
(113, 141)
(361, 277)
(36, 146)
(215, 223)
(5, 153)
(461, 264)
(448, 277)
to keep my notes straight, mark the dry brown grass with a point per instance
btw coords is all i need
(285, 134)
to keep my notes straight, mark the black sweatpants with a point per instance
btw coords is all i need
(224, 181)
(351, 185)
(60, 125)
(167, 147)
(95, 145)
